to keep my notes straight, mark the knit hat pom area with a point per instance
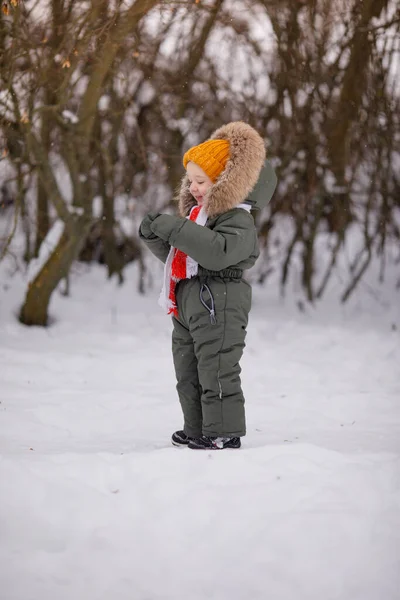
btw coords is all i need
(211, 156)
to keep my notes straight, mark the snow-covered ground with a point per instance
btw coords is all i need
(95, 503)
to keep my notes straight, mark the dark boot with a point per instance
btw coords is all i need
(179, 438)
(214, 443)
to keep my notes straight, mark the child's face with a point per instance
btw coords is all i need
(200, 183)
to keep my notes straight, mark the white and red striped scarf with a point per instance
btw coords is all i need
(179, 266)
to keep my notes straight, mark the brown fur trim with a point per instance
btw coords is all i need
(247, 156)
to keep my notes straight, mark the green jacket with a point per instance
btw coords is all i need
(229, 240)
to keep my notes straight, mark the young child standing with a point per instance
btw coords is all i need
(205, 251)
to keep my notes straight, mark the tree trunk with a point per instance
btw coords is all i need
(26, 229)
(42, 217)
(353, 88)
(106, 165)
(112, 258)
(42, 202)
(35, 308)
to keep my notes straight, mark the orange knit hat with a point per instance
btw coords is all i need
(211, 156)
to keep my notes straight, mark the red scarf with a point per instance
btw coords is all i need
(179, 268)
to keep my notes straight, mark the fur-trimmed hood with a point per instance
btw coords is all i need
(246, 159)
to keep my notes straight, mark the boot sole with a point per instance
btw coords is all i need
(193, 447)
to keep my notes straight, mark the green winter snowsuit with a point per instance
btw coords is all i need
(209, 333)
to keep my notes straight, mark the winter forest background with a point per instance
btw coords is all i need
(99, 100)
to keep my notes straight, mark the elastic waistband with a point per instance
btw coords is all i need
(230, 273)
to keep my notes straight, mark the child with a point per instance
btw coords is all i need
(205, 251)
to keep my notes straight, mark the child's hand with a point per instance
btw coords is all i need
(145, 228)
(163, 225)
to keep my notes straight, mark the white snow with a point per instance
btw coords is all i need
(76, 210)
(104, 102)
(70, 117)
(96, 504)
(97, 207)
(46, 249)
(6, 104)
(145, 94)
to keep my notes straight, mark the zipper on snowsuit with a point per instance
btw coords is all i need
(210, 307)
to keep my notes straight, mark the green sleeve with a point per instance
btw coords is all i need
(160, 248)
(232, 240)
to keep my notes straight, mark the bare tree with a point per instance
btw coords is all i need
(113, 93)
(83, 48)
